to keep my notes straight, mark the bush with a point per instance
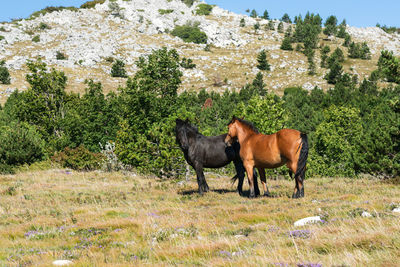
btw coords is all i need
(60, 56)
(118, 69)
(79, 159)
(357, 50)
(92, 4)
(190, 34)
(165, 11)
(389, 66)
(4, 73)
(44, 26)
(189, 3)
(20, 144)
(51, 9)
(286, 44)
(242, 22)
(204, 9)
(187, 63)
(36, 39)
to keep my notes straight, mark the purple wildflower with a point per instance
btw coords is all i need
(299, 234)
(225, 253)
(309, 265)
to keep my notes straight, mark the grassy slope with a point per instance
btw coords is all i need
(112, 219)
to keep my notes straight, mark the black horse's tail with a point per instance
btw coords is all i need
(302, 161)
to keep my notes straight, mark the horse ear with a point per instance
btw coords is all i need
(187, 120)
(242, 118)
(179, 121)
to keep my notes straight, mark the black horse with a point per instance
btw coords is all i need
(208, 152)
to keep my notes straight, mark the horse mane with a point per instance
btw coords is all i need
(248, 124)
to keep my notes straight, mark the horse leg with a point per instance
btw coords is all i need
(240, 175)
(249, 170)
(256, 189)
(299, 188)
(201, 181)
(261, 171)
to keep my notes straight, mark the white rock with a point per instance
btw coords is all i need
(366, 214)
(396, 210)
(308, 220)
(62, 262)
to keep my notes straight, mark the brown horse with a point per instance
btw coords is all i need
(286, 146)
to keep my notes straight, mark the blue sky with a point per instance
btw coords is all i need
(360, 13)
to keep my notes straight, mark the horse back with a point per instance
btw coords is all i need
(274, 150)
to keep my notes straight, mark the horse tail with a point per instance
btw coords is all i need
(302, 161)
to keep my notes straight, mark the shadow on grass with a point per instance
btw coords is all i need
(245, 193)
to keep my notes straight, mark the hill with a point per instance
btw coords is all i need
(91, 38)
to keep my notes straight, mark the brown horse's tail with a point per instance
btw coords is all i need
(302, 161)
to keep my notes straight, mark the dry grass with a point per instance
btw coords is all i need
(116, 219)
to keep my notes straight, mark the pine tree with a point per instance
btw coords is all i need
(335, 73)
(4, 73)
(342, 30)
(324, 55)
(286, 44)
(253, 14)
(262, 61)
(265, 15)
(271, 25)
(259, 84)
(347, 40)
(256, 26)
(242, 23)
(286, 18)
(280, 27)
(118, 69)
(330, 26)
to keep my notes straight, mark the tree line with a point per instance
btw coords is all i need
(353, 128)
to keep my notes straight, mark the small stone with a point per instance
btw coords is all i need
(366, 214)
(62, 262)
(396, 210)
(308, 220)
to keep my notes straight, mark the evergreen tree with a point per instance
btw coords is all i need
(118, 69)
(347, 40)
(335, 73)
(280, 27)
(265, 15)
(330, 26)
(286, 18)
(256, 26)
(4, 73)
(342, 30)
(242, 22)
(253, 14)
(324, 55)
(259, 84)
(286, 44)
(271, 25)
(262, 61)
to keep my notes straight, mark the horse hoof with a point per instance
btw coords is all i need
(252, 195)
(267, 194)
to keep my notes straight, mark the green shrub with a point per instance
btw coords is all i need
(190, 33)
(165, 11)
(204, 9)
(20, 144)
(44, 26)
(357, 50)
(187, 63)
(36, 39)
(389, 66)
(79, 159)
(4, 73)
(242, 22)
(51, 9)
(60, 56)
(2, 37)
(189, 3)
(286, 44)
(92, 4)
(118, 69)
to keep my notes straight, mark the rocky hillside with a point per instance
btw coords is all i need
(126, 29)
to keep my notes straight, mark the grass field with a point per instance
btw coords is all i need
(117, 219)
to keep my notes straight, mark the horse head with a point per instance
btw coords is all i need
(232, 131)
(181, 134)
